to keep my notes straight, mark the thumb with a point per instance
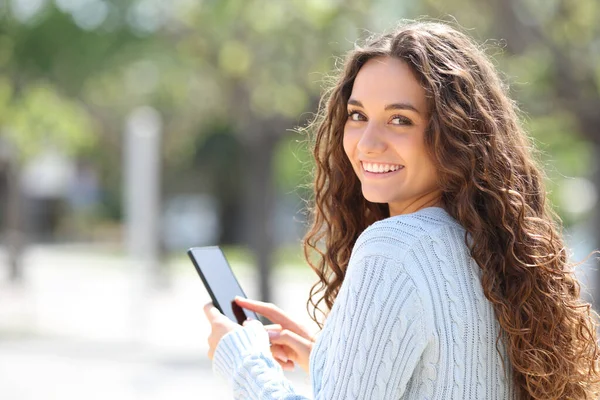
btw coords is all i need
(211, 311)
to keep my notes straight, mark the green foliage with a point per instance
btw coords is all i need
(47, 65)
(41, 118)
(566, 153)
(248, 64)
(563, 154)
(55, 49)
(548, 53)
(292, 165)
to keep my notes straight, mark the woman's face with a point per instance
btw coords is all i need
(384, 137)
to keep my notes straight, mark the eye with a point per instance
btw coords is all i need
(401, 120)
(354, 115)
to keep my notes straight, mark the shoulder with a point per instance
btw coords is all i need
(399, 249)
(397, 236)
(387, 260)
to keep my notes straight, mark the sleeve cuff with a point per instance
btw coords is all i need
(252, 339)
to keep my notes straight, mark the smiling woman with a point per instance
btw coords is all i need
(384, 137)
(441, 265)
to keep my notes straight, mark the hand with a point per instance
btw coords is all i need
(290, 342)
(220, 326)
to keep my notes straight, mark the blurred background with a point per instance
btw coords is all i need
(131, 130)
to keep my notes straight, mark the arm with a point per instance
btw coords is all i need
(369, 347)
(244, 359)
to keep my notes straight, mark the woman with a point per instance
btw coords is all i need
(439, 260)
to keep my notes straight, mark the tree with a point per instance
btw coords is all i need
(262, 58)
(552, 47)
(250, 65)
(45, 61)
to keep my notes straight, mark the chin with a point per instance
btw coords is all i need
(376, 197)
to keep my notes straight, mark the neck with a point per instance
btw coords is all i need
(433, 199)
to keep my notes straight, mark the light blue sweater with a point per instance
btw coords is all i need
(410, 322)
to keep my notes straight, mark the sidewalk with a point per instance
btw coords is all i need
(83, 327)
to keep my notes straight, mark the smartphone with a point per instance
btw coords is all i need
(220, 282)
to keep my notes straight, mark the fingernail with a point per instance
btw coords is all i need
(273, 334)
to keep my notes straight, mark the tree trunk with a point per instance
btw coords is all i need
(15, 235)
(260, 204)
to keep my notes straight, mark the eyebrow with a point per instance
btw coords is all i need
(393, 106)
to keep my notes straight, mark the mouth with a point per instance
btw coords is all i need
(380, 169)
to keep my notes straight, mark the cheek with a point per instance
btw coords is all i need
(349, 144)
(417, 152)
(350, 140)
(432, 174)
(429, 170)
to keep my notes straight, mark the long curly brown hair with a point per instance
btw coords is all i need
(491, 185)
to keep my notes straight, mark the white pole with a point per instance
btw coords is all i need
(141, 190)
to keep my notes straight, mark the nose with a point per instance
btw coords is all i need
(371, 141)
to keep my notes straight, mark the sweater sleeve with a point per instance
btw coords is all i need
(371, 342)
(244, 359)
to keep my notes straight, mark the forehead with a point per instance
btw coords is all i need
(387, 80)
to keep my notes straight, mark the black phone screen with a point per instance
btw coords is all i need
(220, 282)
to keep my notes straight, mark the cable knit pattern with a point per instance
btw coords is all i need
(410, 322)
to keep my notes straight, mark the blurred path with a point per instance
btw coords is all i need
(81, 327)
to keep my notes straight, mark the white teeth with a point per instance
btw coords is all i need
(380, 168)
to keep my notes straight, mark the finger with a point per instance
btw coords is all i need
(273, 313)
(280, 355)
(279, 352)
(211, 312)
(288, 338)
(269, 310)
(274, 327)
(287, 366)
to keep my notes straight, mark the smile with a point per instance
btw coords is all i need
(376, 168)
